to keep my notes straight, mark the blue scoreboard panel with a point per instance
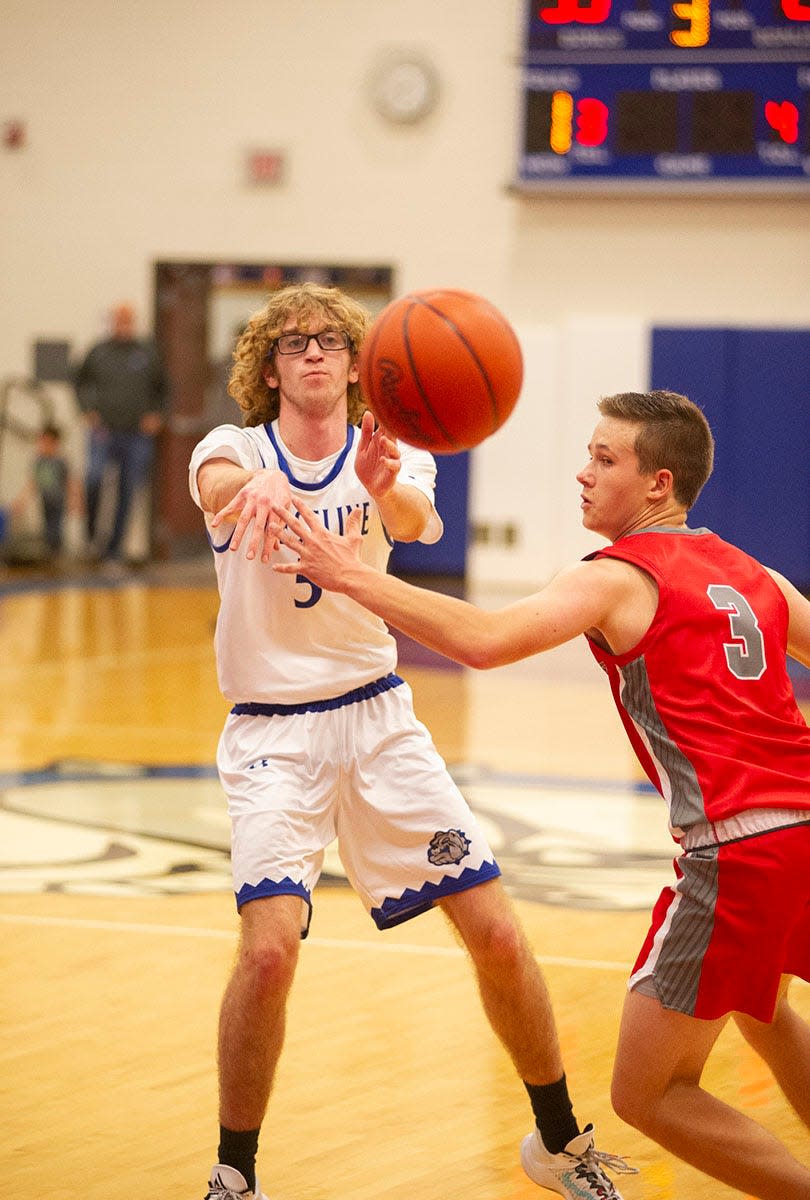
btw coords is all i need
(708, 93)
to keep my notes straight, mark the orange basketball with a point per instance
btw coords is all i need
(441, 369)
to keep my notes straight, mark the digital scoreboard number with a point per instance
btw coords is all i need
(695, 92)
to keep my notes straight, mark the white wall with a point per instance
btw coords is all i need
(139, 116)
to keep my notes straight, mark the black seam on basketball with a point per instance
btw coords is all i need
(447, 320)
(405, 337)
(382, 407)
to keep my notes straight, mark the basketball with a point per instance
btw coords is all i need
(441, 369)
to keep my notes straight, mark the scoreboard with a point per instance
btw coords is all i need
(699, 93)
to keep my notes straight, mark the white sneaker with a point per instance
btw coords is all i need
(577, 1172)
(226, 1183)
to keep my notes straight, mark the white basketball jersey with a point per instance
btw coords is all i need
(279, 639)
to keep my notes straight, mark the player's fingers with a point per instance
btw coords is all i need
(304, 518)
(288, 526)
(272, 532)
(286, 568)
(252, 520)
(366, 429)
(237, 535)
(233, 508)
(284, 513)
(263, 532)
(352, 532)
(223, 514)
(307, 515)
(246, 513)
(255, 543)
(288, 537)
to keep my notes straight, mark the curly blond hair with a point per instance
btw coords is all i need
(307, 303)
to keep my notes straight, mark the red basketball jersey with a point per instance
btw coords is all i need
(705, 696)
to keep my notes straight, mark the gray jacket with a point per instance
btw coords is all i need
(122, 380)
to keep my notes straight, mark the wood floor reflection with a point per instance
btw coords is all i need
(392, 1085)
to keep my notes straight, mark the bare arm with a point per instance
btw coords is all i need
(799, 618)
(577, 600)
(404, 510)
(235, 495)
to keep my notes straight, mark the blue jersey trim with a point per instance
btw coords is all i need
(288, 710)
(411, 903)
(220, 549)
(322, 483)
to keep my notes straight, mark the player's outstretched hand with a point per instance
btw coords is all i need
(323, 557)
(255, 503)
(378, 458)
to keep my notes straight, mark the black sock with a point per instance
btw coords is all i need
(553, 1113)
(238, 1149)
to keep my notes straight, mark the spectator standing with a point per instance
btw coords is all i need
(122, 391)
(52, 484)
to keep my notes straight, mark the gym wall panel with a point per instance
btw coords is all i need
(753, 387)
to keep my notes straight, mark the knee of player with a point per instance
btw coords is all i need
(626, 1102)
(631, 1102)
(501, 947)
(270, 962)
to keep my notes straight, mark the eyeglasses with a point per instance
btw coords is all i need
(297, 343)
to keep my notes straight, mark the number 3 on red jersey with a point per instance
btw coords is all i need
(746, 654)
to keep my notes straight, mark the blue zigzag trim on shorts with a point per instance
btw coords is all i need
(411, 903)
(275, 887)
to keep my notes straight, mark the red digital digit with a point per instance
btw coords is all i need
(783, 116)
(796, 10)
(592, 121)
(576, 12)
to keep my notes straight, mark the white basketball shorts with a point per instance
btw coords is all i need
(360, 768)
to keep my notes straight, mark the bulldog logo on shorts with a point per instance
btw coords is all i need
(448, 846)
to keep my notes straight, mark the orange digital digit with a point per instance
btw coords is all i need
(562, 111)
(575, 12)
(697, 13)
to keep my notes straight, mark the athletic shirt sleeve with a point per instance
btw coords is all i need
(226, 441)
(418, 469)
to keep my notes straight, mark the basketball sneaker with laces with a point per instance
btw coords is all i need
(226, 1183)
(578, 1172)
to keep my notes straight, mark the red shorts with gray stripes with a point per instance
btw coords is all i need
(735, 921)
